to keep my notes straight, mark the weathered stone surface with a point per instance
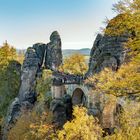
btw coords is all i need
(54, 53)
(108, 113)
(40, 50)
(28, 77)
(95, 106)
(107, 51)
(31, 69)
(58, 91)
(27, 94)
(12, 116)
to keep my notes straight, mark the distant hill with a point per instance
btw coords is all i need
(68, 52)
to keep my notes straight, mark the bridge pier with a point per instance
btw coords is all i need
(60, 104)
(57, 89)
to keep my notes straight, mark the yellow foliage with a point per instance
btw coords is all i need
(127, 22)
(125, 81)
(42, 129)
(7, 53)
(82, 127)
(31, 126)
(75, 64)
(22, 127)
(129, 128)
(9, 77)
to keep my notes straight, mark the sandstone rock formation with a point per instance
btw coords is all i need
(107, 51)
(53, 57)
(28, 78)
(27, 93)
(34, 60)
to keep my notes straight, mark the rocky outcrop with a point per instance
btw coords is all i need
(61, 103)
(53, 57)
(32, 66)
(28, 78)
(27, 93)
(107, 51)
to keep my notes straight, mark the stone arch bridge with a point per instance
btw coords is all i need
(69, 90)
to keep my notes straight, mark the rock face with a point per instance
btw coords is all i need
(53, 57)
(28, 77)
(40, 49)
(32, 66)
(27, 93)
(107, 51)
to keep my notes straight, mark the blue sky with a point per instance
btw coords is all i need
(25, 22)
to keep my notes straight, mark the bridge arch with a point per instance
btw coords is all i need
(78, 96)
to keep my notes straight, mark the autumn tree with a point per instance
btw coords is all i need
(127, 21)
(82, 127)
(20, 56)
(7, 53)
(32, 126)
(125, 81)
(75, 64)
(129, 120)
(9, 76)
(36, 124)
